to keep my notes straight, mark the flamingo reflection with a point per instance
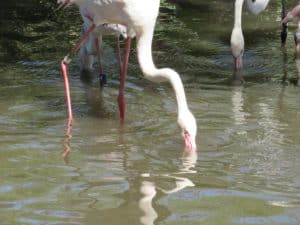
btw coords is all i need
(67, 148)
(145, 204)
(148, 189)
(239, 115)
(237, 37)
(95, 102)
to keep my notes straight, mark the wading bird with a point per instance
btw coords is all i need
(139, 17)
(237, 37)
(92, 47)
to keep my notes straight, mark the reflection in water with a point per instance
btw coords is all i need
(94, 99)
(148, 189)
(237, 78)
(284, 64)
(269, 123)
(181, 183)
(295, 202)
(237, 106)
(67, 148)
(188, 162)
(101, 184)
(145, 204)
(266, 162)
(94, 96)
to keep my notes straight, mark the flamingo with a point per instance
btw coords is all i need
(139, 16)
(294, 14)
(91, 47)
(237, 37)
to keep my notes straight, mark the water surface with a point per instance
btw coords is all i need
(246, 170)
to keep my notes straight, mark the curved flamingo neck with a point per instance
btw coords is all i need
(144, 49)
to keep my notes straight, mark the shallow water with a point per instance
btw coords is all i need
(246, 170)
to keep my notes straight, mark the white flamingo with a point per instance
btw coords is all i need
(237, 37)
(139, 16)
(91, 48)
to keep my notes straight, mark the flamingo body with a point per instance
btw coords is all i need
(237, 37)
(139, 17)
(257, 6)
(90, 48)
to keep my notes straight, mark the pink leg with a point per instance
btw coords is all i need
(123, 72)
(66, 142)
(64, 68)
(82, 41)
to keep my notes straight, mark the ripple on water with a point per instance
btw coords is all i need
(280, 219)
(248, 136)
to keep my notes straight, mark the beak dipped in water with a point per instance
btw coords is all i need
(189, 143)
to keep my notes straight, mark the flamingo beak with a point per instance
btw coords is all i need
(238, 62)
(189, 143)
(63, 4)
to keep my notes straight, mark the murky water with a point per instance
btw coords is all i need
(246, 170)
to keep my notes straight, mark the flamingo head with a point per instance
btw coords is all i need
(257, 6)
(188, 126)
(237, 47)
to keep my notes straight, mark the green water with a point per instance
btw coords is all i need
(246, 170)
